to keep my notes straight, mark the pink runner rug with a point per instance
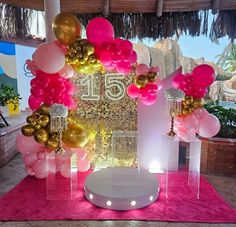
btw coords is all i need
(27, 201)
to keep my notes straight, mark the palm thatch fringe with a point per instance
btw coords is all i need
(15, 22)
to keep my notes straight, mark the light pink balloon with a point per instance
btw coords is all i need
(159, 83)
(190, 122)
(66, 171)
(67, 72)
(27, 144)
(81, 154)
(30, 171)
(200, 113)
(83, 165)
(30, 159)
(154, 69)
(49, 58)
(41, 155)
(39, 168)
(188, 136)
(150, 100)
(142, 69)
(209, 126)
(132, 91)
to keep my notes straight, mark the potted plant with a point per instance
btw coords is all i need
(7, 96)
(219, 152)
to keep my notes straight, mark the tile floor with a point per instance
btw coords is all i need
(12, 173)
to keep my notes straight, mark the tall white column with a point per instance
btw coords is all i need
(51, 8)
(153, 122)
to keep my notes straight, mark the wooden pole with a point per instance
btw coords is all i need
(51, 8)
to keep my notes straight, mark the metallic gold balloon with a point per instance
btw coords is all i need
(31, 119)
(37, 126)
(75, 136)
(44, 108)
(27, 130)
(52, 142)
(41, 135)
(185, 111)
(44, 120)
(66, 27)
(198, 103)
(141, 81)
(189, 100)
(152, 77)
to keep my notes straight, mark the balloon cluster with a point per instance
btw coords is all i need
(189, 104)
(145, 84)
(81, 55)
(115, 54)
(195, 84)
(51, 88)
(193, 118)
(200, 122)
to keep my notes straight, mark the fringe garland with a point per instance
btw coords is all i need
(15, 22)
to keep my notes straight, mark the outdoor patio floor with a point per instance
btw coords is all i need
(12, 173)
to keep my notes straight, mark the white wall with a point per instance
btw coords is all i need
(23, 82)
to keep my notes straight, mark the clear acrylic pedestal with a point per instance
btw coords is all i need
(170, 163)
(61, 181)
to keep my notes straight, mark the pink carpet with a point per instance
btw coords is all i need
(27, 201)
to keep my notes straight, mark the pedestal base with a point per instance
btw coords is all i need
(121, 188)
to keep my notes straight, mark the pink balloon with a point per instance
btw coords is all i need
(142, 69)
(37, 91)
(66, 171)
(203, 75)
(132, 91)
(83, 165)
(199, 113)
(30, 159)
(34, 102)
(124, 68)
(150, 100)
(62, 47)
(133, 57)
(190, 122)
(81, 154)
(39, 168)
(178, 80)
(30, 171)
(26, 144)
(49, 58)
(67, 71)
(41, 155)
(99, 30)
(159, 83)
(209, 126)
(188, 136)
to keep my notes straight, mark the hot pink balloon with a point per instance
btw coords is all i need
(83, 165)
(34, 102)
(142, 69)
(154, 69)
(133, 57)
(209, 126)
(30, 159)
(49, 58)
(124, 68)
(150, 100)
(132, 91)
(27, 144)
(39, 168)
(203, 75)
(99, 30)
(30, 171)
(178, 80)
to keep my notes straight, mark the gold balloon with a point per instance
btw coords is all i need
(152, 77)
(41, 135)
(185, 111)
(189, 100)
(44, 120)
(141, 81)
(52, 142)
(44, 108)
(75, 136)
(198, 103)
(31, 119)
(66, 27)
(27, 130)
(37, 127)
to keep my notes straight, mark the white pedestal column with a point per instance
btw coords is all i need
(153, 122)
(51, 8)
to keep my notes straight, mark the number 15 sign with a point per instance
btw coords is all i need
(92, 88)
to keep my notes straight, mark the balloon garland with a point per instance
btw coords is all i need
(54, 64)
(194, 118)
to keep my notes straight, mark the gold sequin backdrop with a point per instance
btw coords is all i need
(105, 109)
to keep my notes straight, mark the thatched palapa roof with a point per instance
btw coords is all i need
(131, 19)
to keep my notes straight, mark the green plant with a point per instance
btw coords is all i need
(8, 95)
(227, 118)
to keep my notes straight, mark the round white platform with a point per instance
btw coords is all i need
(121, 188)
